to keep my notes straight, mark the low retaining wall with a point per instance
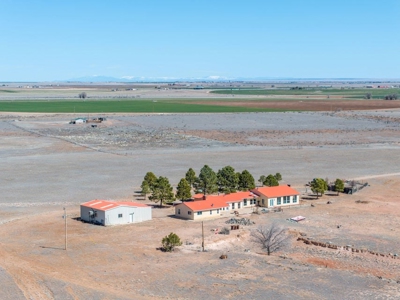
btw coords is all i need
(348, 248)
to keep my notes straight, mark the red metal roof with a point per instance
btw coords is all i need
(275, 191)
(205, 204)
(218, 201)
(107, 205)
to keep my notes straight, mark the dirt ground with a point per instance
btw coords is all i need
(48, 164)
(332, 104)
(123, 262)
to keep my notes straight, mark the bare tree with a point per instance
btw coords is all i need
(271, 238)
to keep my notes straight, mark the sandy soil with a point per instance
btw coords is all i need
(333, 104)
(123, 262)
(48, 164)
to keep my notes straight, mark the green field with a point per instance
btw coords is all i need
(128, 106)
(8, 91)
(347, 93)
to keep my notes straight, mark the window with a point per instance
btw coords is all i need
(199, 213)
(286, 199)
(279, 202)
(245, 202)
(189, 212)
(233, 205)
(119, 215)
(295, 199)
(210, 212)
(239, 205)
(263, 201)
(179, 211)
(217, 211)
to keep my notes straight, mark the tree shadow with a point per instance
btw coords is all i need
(312, 197)
(158, 206)
(54, 248)
(176, 217)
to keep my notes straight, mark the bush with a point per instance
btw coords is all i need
(170, 242)
(391, 97)
(225, 230)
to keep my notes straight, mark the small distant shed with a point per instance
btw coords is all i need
(106, 212)
(78, 121)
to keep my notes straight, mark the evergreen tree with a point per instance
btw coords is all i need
(270, 180)
(170, 241)
(278, 176)
(227, 180)
(162, 191)
(262, 179)
(319, 186)
(207, 181)
(339, 185)
(145, 189)
(151, 179)
(183, 190)
(190, 177)
(246, 181)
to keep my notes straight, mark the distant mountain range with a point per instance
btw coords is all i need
(144, 79)
(97, 78)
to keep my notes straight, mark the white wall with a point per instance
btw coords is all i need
(181, 211)
(275, 201)
(110, 217)
(140, 214)
(99, 215)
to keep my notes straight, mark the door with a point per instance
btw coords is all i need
(271, 202)
(130, 218)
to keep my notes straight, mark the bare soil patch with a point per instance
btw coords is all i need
(312, 105)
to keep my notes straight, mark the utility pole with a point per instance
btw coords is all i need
(202, 235)
(65, 219)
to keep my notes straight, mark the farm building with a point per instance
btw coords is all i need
(78, 121)
(114, 212)
(276, 196)
(213, 206)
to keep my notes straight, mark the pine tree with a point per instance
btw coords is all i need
(183, 190)
(207, 181)
(190, 177)
(162, 191)
(270, 180)
(246, 181)
(228, 180)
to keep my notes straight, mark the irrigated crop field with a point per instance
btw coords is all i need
(184, 98)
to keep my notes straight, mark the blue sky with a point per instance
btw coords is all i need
(60, 40)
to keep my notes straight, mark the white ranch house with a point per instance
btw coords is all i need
(277, 196)
(214, 206)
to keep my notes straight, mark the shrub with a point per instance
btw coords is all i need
(225, 230)
(171, 241)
